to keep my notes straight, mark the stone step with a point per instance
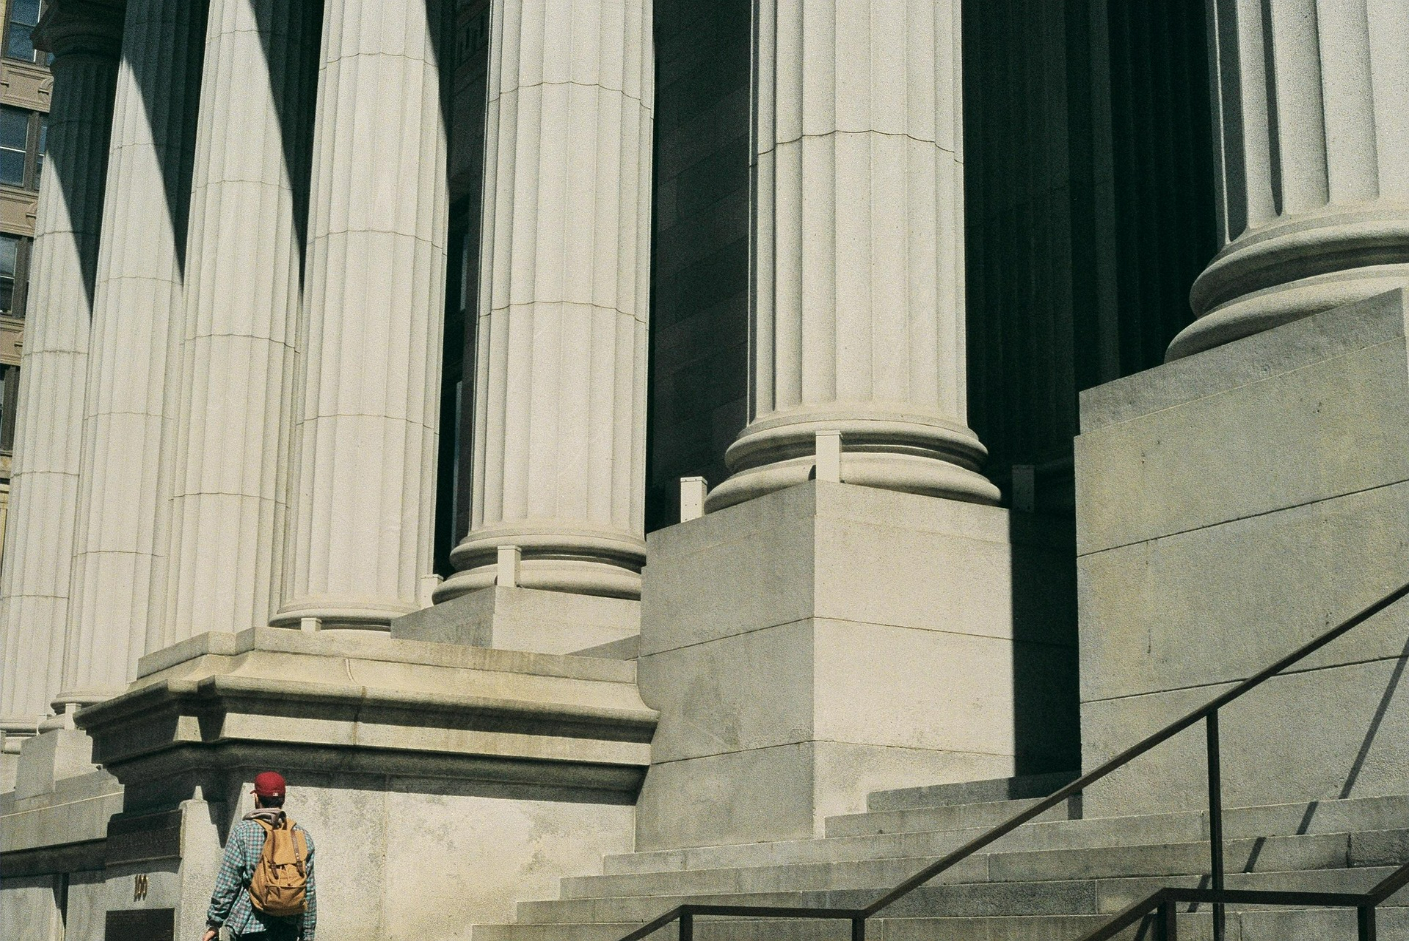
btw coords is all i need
(1339, 816)
(951, 817)
(1264, 854)
(971, 792)
(1283, 925)
(1067, 897)
(1107, 831)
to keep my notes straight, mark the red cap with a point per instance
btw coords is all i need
(269, 784)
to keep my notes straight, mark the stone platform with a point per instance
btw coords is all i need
(414, 765)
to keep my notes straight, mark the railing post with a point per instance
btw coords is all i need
(1366, 919)
(1167, 916)
(687, 926)
(1215, 821)
(858, 928)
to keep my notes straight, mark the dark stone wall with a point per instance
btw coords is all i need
(1089, 196)
(699, 282)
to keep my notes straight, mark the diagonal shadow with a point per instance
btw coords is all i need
(293, 81)
(168, 78)
(69, 156)
(1375, 723)
(169, 83)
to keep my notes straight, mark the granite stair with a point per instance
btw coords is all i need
(1054, 879)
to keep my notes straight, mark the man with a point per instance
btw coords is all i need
(230, 903)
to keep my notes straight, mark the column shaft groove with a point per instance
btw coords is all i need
(857, 280)
(122, 511)
(34, 586)
(239, 340)
(561, 352)
(367, 389)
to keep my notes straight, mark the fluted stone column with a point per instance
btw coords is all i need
(365, 453)
(121, 528)
(1311, 136)
(34, 587)
(857, 313)
(560, 372)
(238, 345)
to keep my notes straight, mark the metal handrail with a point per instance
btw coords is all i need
(1165, 899)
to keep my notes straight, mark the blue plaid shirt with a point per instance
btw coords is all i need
(230, 902)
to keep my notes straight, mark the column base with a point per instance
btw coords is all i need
(1293, 269)
(340, 614)
(525, 619)
(828, 640)
(71, 700)
(555, 558)
(14, 732)
(887, 450)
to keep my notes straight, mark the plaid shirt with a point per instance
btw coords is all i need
(230, 902)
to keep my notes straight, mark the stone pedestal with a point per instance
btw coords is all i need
(825, 641)
(38, 562)
(561, 348)
(525, 619)
(518, 768)
(368, 388)
(1232, 506)
(1312, 144)
(857, 281)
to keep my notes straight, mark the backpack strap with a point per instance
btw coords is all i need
(300, 847)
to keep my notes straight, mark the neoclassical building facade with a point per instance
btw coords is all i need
(364, 333)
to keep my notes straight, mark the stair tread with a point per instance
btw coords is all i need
(1094, 895)
(945, 795)
(1263, 854)
(1351, 815)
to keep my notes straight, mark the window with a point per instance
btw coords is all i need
(9, 267)
(14, 274)
(23, 137)
(41, 145)
(9, 399)
(14, 145)
(24, 16)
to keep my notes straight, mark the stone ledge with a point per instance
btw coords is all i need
(69, 815)
(374, 646)
(44, 860)
(307, 702)
(1322, 336)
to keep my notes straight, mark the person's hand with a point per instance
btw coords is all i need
(210, 934)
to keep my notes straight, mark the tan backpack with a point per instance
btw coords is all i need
(279, 886)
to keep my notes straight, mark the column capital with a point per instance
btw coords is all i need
(92, 27)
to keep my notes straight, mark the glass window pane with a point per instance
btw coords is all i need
(7, 292)
(12, 167)
(14, 128)
(25, 11)
(39, 156)
(19, 45)
(9, 254)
